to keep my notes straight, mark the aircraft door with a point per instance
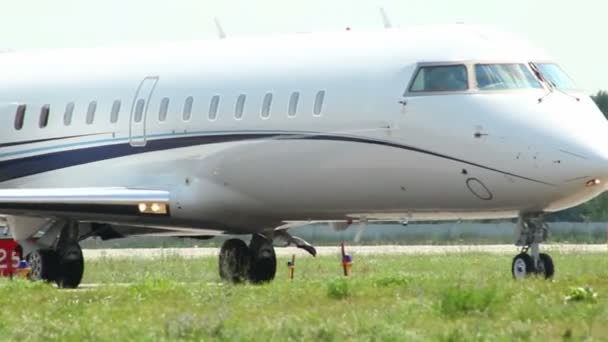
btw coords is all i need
(139, 110)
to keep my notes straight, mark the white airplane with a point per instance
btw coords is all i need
(253, 136)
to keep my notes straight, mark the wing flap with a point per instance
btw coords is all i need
(108, 201)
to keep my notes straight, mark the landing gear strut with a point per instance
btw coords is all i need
(62, 262)
(532, 232)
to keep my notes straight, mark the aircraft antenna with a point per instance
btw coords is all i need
(220, 29)
(385, 20)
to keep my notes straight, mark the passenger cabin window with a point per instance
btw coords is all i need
(67, 115)
(319, 99)
(240, 106)
(504, 77)
(293, 104)
(20, 117)
(164, 108)
(213, 107)
(556, 76)
(44, 116)
(91, 112)
(187, 114)
(440, 78)
(266, 106)
(139, 110)
(115, 111)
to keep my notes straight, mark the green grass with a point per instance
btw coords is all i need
(450, 298)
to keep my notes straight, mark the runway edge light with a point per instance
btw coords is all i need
(291, 266)
(347, 261)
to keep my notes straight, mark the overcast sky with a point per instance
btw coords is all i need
(574, 32)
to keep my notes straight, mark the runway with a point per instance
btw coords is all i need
(151, 253)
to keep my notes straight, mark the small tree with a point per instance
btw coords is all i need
(601, 99)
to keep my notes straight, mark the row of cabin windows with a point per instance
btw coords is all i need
(140, 108)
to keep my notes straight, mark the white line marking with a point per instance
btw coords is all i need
(152, 253)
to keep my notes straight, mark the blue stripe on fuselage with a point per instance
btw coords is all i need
(31, 165)
(27, 166)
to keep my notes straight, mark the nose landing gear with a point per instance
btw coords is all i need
(532, 232)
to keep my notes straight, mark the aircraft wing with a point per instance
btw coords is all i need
(84, 201)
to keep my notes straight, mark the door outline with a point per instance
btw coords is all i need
(137, 130)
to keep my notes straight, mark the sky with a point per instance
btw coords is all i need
(573, 32)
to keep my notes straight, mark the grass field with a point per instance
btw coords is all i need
(394, 298)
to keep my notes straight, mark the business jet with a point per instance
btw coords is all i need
(256, 135)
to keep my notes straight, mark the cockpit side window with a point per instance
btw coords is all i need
(556, 76)
(504, 76)
(440, 78)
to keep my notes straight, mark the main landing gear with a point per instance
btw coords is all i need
(532, 232)
(62, 262)
(257, 262)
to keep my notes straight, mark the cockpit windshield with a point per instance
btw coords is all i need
(556, 76)
(440, 78)
(505, 76)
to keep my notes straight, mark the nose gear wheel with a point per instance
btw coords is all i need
(532, 232)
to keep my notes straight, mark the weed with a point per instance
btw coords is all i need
(391, 280)
(581, 294)
(455, 336)
(338, 289)
(458, 301)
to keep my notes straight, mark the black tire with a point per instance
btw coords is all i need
(548, 268)
(234, 261)
(44, 264)
(263, 266)
(71, 266)
(522, 266)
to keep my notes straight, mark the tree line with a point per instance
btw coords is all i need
(596, 209)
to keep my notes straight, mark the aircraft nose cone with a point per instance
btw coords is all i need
(581, 133)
